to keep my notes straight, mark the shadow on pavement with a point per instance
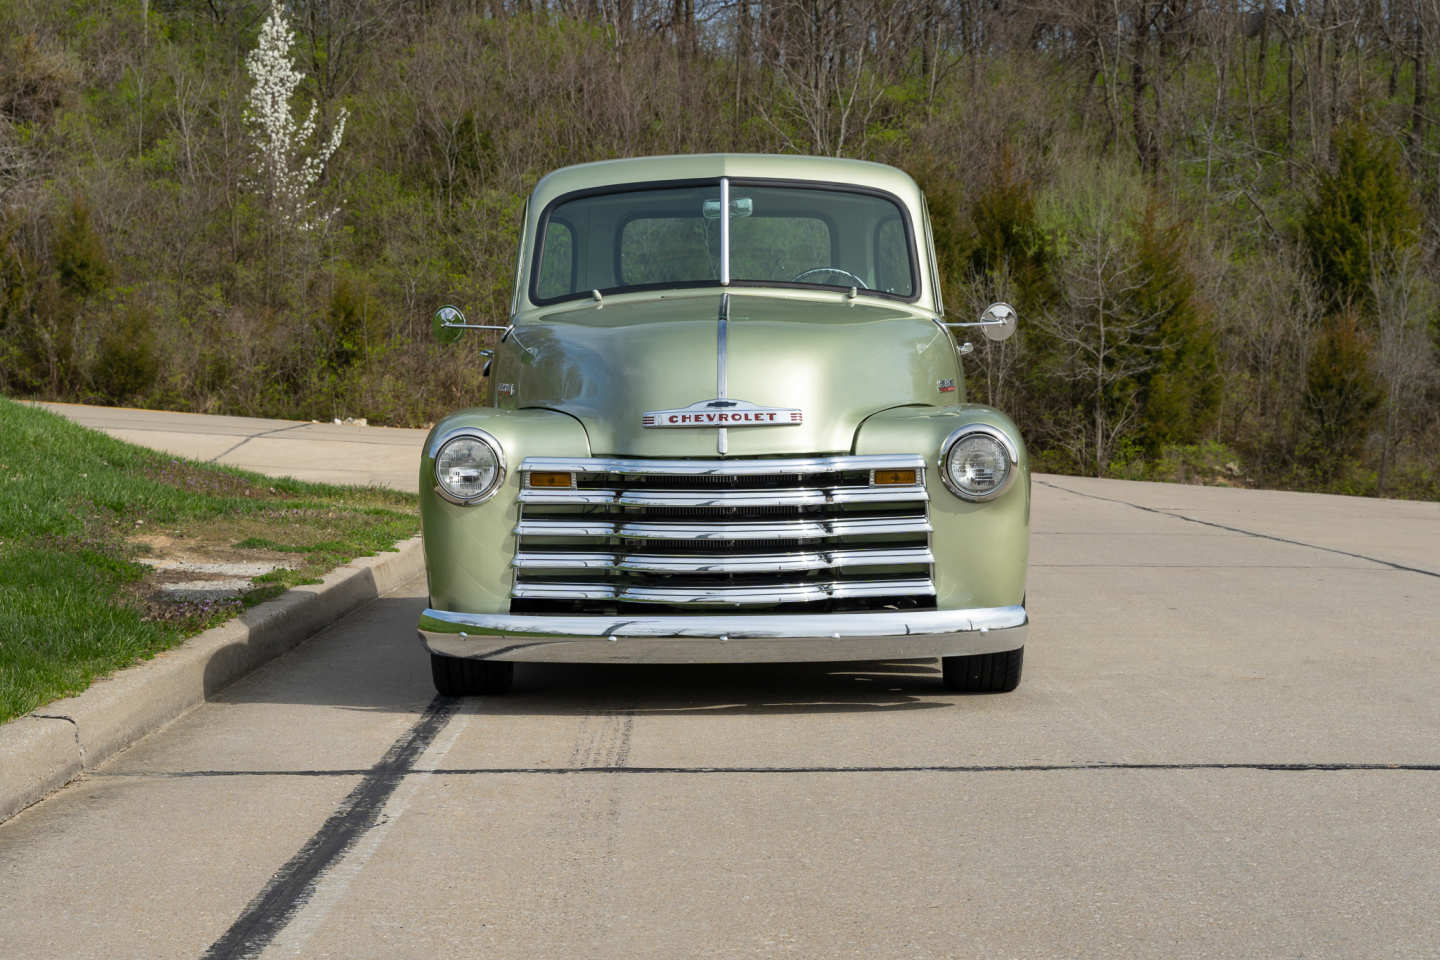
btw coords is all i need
(373, 661)
(718, 689)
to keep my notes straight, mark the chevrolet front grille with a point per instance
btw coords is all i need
(811, 534)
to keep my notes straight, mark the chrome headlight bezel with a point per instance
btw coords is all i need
(467, 433)
(1001, 438)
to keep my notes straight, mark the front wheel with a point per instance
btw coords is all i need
(984, 672)
(457, 677)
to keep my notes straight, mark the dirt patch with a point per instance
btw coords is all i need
(199, 568)
(200, 576)
(197, 478)
(211, 547)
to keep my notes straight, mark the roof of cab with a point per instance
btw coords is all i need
(707, 166)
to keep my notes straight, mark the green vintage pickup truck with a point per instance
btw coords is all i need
(729, 425)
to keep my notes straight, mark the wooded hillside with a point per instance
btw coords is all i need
(1220, 220)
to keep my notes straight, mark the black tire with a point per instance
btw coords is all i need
(984, 672)
(456, 677)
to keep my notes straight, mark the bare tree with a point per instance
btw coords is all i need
(833, 60)
(335, 32)
(20, 167)
(1109, 346)
(1405, 298)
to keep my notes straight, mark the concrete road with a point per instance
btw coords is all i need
(1226, 744)
(318, 452)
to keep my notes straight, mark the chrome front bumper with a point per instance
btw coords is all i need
(738, 638)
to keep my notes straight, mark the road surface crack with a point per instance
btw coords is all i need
(1241, 530)
(75, 727)
(1261, 765)
(255, 436)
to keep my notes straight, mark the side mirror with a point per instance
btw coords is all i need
(448, 325)
(998, 322)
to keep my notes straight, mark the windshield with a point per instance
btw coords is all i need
(672, 237)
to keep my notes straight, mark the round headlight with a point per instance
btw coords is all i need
(977, 465)
(467, 469)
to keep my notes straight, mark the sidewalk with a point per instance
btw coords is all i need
(317, 452)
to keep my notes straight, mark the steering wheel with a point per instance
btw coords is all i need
(840, 270)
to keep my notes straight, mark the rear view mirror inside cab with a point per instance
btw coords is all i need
(739, 207)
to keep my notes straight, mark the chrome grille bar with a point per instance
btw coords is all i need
(782, 530)
(727, 498)
(753, 563)
(723, 468)
(737, 596)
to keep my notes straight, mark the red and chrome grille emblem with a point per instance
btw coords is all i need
(724, 413)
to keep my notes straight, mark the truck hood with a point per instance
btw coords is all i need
(836, 361)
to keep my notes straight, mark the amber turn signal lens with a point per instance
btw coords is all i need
(889, 478)
(539, 479)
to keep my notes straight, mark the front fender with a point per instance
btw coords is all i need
(981, 549)
(468, 549)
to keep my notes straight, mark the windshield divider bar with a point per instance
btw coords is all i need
(724, 231)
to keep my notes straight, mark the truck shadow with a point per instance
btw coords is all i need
(718, 689)
(372, 661)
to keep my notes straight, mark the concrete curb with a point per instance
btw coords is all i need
(44, 750)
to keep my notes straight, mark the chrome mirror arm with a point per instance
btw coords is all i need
(473, 326)
(510, 332)
(971, 323)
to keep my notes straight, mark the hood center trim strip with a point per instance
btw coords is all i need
(722, 351)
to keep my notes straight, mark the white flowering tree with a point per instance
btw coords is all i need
(287, 168)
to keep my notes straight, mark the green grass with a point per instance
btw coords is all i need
(73, 601)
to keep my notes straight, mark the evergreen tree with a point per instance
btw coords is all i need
(1342, 396)
(1360, 212)
(1181, 396)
